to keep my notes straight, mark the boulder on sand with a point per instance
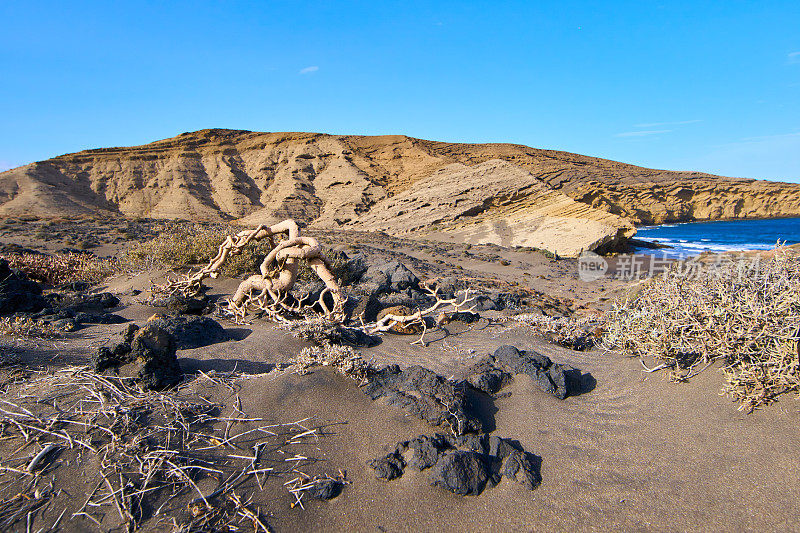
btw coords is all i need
(152, 349)
(464, 464)
(425, 394)
(17, 292)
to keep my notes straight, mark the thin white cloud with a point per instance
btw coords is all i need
(661, 124)
(770, 138)
(793, 57)
(309, 70)
(5, 165)
(642, 133)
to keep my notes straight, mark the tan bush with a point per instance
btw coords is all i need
(745, 312)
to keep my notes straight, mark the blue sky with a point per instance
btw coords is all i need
(702, 85)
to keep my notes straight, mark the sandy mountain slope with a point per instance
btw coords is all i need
(528, 195)
(495, 202)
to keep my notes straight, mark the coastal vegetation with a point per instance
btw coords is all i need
(744, 313)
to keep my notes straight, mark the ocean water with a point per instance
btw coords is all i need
(696, 237)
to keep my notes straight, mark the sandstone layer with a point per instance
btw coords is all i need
(482, 193)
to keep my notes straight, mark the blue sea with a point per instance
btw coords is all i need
(696, 237)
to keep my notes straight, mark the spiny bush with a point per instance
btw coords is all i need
(57, 269)
(745, 313)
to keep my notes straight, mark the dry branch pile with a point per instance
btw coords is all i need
(746, 314)
(150, 450)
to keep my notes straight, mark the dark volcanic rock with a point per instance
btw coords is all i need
(17, 292)
(460, 472)
(425, 394)
(192, 332)
(485, 376)
(324, 489)
(381, 286)
(153, 347)
(423, 452)
(515, 464)
(464, 465)
(98, 318)
(519, 468)
(182, 305)
(388, 467)
(548, 375)
(88, 303)
(116, 354)
(398, 275)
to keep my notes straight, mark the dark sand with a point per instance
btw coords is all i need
(632, 452)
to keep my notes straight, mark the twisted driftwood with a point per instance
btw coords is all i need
(268, 291)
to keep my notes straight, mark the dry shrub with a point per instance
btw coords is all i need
(27, 327)
(745, 313)
(183, 244)
(153, 450)
(343, 358)
(580, 334)
(61, 268)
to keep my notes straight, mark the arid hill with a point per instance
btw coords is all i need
(483, 193)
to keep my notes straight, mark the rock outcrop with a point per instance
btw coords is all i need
(464, 465)
(479, 193)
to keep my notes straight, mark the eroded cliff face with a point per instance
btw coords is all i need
(500, 193)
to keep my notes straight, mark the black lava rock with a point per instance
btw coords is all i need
(463, 464)
(192, 332)
(90, 303)
(485, 376)
(17, 292)
(397, 274)
(425, 394)
(153, 347)
(548, 375)
(116, 354)
(98, 318)
(388, 467)
(461, 472)
(184, 305)
(424, 451)
(324, 489)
